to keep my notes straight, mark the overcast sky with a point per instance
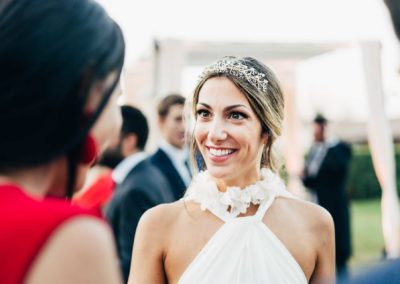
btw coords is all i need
(255, 20)
(266, 20)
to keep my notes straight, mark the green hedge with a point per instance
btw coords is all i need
(362, 181)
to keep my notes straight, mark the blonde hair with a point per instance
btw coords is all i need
(267, 104)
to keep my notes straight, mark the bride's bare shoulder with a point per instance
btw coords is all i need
(161, 218)
(308, 214)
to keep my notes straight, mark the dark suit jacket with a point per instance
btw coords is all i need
(161, 160)
(143, 188)
(330, 187)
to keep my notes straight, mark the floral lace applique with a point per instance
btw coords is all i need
(234, 201)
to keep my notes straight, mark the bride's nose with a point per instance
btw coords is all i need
(217, 131)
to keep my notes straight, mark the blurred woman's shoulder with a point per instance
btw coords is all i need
(74, 244)
(59, 234)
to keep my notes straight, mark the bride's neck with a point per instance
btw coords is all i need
(241, 182)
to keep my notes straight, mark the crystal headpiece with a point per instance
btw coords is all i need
(233, 66)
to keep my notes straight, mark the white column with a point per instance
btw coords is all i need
(291, 135)
(169, 62)
(381, 144)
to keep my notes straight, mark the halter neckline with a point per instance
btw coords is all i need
(234, 201)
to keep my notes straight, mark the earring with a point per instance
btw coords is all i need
(88, 153)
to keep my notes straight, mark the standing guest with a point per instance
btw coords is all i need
(140, 185)
(237, 223)
(172, 158)
(97, 190)
(325, 174)
(60, 62)
(99, 184)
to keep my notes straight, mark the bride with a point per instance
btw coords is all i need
(236, 223)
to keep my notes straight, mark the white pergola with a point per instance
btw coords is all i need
(171, 56)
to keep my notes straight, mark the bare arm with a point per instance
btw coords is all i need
(80, 251)
(148, 249)
(325, 267)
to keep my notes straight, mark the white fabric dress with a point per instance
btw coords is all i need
(245, 250)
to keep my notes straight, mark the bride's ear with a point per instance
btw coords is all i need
(265, 136)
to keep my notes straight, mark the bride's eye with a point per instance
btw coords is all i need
(203, 113)
(236, 115)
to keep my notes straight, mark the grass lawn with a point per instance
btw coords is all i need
(366, 233)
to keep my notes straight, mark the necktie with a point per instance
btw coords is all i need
(188, 167)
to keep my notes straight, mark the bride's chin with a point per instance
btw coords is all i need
(220, 174)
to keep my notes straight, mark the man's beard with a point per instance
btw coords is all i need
(111, 157)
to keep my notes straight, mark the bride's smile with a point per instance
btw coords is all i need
(220, 154)
(228, 133)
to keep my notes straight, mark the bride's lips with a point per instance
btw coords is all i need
(219, 154)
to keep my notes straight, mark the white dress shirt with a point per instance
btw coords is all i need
(126, 165)
(317, 155)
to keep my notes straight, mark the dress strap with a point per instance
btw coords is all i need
(224, 217)
(262, 209)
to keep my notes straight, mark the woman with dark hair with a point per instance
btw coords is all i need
(236, 223)
(60, 62)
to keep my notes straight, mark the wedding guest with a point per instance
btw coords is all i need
(172, 157)
(99, 185)
(140, 185)
(60, 62)
(325, 173)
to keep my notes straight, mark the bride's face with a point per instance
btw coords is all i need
(228, 133)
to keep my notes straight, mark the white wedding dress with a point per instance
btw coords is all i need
(244, 249)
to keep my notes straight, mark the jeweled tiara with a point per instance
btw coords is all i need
(232, 66)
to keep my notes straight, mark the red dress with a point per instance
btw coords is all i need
(98, 194)
(25, 226)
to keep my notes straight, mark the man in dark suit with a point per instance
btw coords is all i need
(140, 185)
(172, 157)
(325, 174)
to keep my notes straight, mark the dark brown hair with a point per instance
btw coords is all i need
(167, 102)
